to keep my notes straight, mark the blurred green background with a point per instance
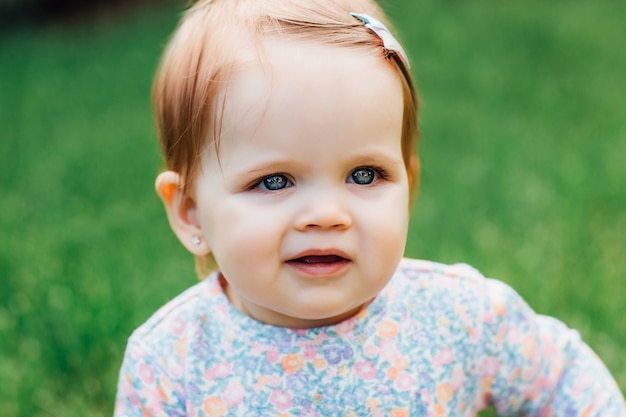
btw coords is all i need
(524, 168)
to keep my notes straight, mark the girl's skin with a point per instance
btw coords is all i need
(306, 207)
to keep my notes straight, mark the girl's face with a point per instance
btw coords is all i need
(306, 211)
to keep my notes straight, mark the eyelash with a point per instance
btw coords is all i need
(380, 174)
(260, 183)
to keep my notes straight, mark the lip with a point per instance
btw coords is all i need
(320, 262)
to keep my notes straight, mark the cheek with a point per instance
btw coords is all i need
(388, 226)
(244, 233)
(392, 210)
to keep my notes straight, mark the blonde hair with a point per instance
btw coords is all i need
(214, 36)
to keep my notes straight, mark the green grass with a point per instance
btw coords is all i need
(524, 168)
(524, 153)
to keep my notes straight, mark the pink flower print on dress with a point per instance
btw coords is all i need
(151, 399)
(541, 385)
(309, 352)
(365, 370)
(389, 351)
(491, 366)
(177, 371)
(130, 392)
(178, 326)
(427, 397)
(489, 317)
(371, 350)
(582, 383)
(458, 378)
(444, 357)
(234, 393)
(404, 381)
(345, 327)
(272, 355)
(280, 399)
(220, 370)
(191, 409)
(146, 374)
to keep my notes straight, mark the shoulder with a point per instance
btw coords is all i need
(458, 297)
(433, 278)
(421, 269)
(444, 299)
(457, 280)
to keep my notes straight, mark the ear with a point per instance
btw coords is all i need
(181, 213)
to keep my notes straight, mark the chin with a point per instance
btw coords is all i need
(327, 315)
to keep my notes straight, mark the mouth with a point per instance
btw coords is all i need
(319, 259)
(319, 264)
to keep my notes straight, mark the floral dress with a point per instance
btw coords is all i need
(437, 341)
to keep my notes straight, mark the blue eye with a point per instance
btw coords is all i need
(363, 176)
(274, 182)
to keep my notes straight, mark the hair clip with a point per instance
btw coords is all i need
(390, 43)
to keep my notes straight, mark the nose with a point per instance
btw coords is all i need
(323, 211)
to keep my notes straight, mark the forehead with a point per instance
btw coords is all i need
(298, 89)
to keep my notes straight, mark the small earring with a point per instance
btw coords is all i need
(196, 240)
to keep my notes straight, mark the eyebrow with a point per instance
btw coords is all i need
(378, 157)
(268, 166)
(278, 164)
